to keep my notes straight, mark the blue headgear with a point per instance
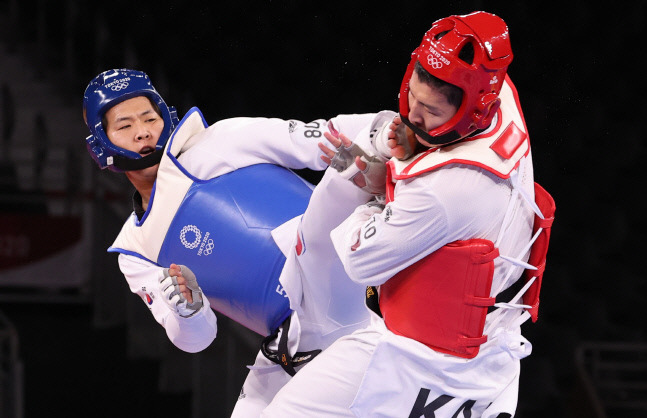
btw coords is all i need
(105, 91)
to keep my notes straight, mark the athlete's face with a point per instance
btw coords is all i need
(428, 107)
(134, 125)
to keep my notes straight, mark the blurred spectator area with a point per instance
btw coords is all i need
(46, 186)
(58, 215)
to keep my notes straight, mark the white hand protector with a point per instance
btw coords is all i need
(372, 179)
(175, 299)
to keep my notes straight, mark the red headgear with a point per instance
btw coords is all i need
(480, 80)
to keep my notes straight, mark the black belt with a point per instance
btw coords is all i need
(282, 355)
(372, 300)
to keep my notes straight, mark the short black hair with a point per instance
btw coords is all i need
(453, 93)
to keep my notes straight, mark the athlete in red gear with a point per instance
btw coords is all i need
(455, 232)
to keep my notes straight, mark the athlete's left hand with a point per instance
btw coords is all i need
(401, 140)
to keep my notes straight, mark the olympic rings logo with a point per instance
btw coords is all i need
(434, 62)
(196, 241)
(119, 86)
(208, 249)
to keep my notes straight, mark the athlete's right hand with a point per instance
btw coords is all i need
(180, 288)
(349, 159)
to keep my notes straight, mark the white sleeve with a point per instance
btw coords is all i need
(235, 143)
(191, 334)
(428, 212)
(374, 245)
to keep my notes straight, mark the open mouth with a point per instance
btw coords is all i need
(146, 150)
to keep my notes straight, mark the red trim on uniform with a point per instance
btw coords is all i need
(459, 161)
(405, 171)
(509, 144)
(299, 246)
(390, 184)
(515, 94)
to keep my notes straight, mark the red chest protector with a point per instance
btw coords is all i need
(539, 249)
(443, 299)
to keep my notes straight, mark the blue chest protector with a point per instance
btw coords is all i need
(222, 231)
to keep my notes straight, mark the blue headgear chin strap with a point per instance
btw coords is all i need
(105, 91)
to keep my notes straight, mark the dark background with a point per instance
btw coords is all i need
(579, 70)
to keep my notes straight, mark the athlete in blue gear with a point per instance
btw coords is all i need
(217, 225)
